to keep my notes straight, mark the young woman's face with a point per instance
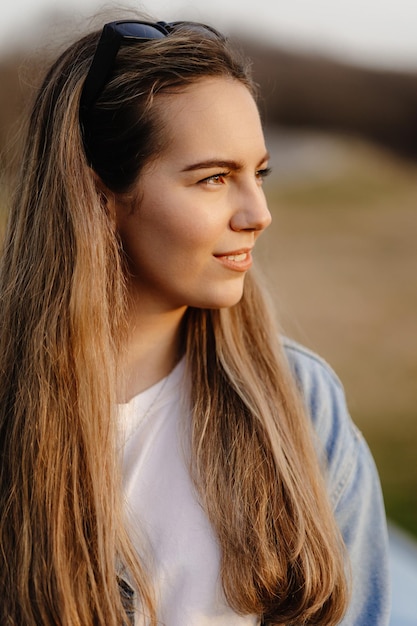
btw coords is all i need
(201, 206)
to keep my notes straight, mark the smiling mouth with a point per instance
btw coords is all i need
(240, 261)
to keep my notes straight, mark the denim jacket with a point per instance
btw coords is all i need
(353, 486)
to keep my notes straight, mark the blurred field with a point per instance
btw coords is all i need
(341, 258)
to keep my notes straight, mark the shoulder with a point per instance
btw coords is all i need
(321, 389)
(312, 372)
(353, 485)
(338, 439)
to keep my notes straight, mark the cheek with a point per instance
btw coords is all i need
(188, 228)
(169, 240)
(172, 221)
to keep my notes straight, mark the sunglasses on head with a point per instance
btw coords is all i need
(116, 34)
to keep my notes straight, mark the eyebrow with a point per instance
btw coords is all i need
(231, 165)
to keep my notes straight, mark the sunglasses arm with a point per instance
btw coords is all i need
(106, 51)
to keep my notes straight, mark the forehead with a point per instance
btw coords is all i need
(217, 115)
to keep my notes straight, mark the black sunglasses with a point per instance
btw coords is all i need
(116, 34)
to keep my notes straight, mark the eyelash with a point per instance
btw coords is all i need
(262, 174)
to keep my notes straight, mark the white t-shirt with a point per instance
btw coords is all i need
(164, 513)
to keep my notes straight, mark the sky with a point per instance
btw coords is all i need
(370, 32)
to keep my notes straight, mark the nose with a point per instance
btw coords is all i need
(251, 211)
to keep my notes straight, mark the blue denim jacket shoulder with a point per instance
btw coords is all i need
(353, 486)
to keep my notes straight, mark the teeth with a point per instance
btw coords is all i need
(237, 257)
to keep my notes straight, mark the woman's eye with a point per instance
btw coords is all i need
(215, 179)
(220, 178)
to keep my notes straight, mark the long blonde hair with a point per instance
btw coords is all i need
(63, 541)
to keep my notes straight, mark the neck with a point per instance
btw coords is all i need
(151, 350)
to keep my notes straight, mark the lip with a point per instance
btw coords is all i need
(237, 260)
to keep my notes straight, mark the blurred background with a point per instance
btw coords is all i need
(339, 99)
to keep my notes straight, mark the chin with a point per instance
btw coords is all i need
(226, 298)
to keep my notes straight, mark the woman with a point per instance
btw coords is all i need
(156, 434)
